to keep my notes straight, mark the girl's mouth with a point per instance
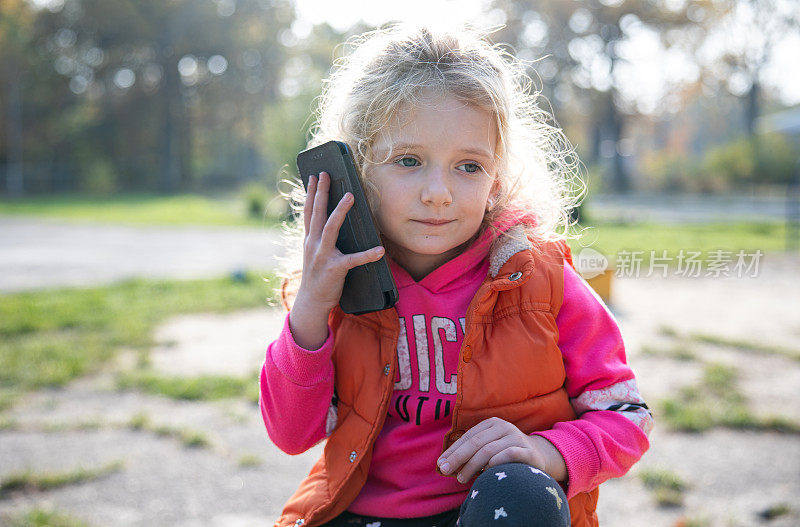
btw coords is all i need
(434, 221)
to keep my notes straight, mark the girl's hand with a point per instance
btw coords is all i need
(324, 266)
(493, 442)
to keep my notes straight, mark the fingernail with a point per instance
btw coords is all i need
(461, 479)
(378, 250)
(444, 466)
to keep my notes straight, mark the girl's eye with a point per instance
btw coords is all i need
(407, 162)
(470, 168)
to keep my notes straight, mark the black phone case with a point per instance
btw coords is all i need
(368, 287)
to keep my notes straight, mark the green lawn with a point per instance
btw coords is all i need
(41, 517)
(48, 338)
(611, 238)
(147, 209)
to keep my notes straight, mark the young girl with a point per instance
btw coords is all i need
(496, 391)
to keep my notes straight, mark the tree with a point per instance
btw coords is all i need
(15, 35)
(578, 43)
(153, 93)
(758, 27)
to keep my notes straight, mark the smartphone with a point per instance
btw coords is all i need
(368, 287)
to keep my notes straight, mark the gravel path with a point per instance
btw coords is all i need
(40, 253)
(162, 482)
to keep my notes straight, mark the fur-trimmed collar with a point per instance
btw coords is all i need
(505, 246)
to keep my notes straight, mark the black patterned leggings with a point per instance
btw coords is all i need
(509, 495)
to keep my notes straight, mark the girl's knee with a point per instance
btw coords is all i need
(517, 494)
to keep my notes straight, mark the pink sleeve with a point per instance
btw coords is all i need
(610, 434)
(296, 388)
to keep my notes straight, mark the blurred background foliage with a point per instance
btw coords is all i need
(741, 163)
(214, 96)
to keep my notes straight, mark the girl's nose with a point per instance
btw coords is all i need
(436, 189)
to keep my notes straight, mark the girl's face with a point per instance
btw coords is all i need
(435, 183)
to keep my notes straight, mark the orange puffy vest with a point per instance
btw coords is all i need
(509, 367)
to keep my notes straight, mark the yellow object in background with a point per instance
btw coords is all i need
(601, 283)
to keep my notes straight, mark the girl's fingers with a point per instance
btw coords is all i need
(319, 212)
(483, 425)
(331, 230)
(365, 257)
(325, 230)
(309, 204)
(480, 459)
(514, 454)
(467, 446)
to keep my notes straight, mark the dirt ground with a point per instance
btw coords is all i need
(731, 477)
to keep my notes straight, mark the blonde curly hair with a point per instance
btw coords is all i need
(538, 170)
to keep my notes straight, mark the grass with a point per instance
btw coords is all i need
(139, 209)
(610, 238)
(41, 518)
(189, 438)
(667, 487)
(725, 342)
(192, 438)
(668, 331)
(7, 423)
(681, 352)
(249, 461)
(28, 482)
(745, 345)
(48, 338)
(775, 511)
(717, 402)
(205, 388)
(54, 427)
(6, 399)
(75, 426)
(139, 422)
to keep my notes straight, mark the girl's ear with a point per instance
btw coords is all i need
(493, 196)
(491, 201)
